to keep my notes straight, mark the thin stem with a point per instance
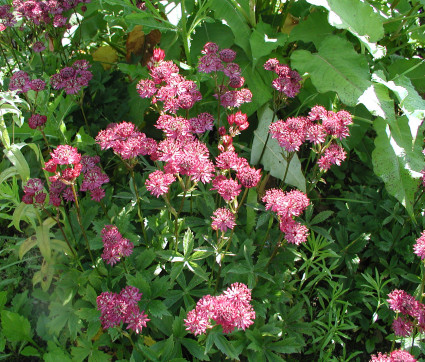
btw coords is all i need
(5, 60)
(276, 249)
(222, 260)
(80, 223)
(288, 161)
(83, 113)
(45, 138)
(139, 211)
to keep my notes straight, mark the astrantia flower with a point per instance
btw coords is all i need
(395, 356)
(34, 192)
(20, 82)
(37, 85)
(122, 308)
(249, 177)
(37, 121)
(288, 80)
(228, 189)
(38, 47)
(334, 155)
(202, 123)
(65, 155)
(159, 182)
(72, 79)
(419, 247)
(231, 310)
(400, 301)
(223, 219)
(402, 327)
(115, 246)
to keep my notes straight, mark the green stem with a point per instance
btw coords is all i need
(288, 161)
(77, 206)
(275, 251)
(139, 211)
(229, 242)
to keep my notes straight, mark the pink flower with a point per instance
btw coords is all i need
(395, 356)
(249, 177)
(122, 308)
(231, 310)
(419, 247)
(400, 301)
(38, 47)
(227, 55)
(37, 85)
(290, 134)
(20, 82)
(334, 155)
(159, 182)
(34, 192)
(288, 80)
(146, 88)
(228, 189)
(37, 121)
(115, 246)
(223, 219)
(65, 155)
(204, 122)
(402, 327)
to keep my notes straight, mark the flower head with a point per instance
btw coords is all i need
(115, 246)
(419, 247)
(223, 219)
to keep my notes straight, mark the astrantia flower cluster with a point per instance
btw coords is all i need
(37, 121)
(231, 310)
(395, 356)
(114, 245)
(33, 192)
(46, 11)
(93, 176)
(216, 60)
(122, 308)
(223, 219)
(126, 141)
(419, 247)
(288, 205)
(319, 126)
(412, 313)
(21, 83)
(167, 85)
(287, 81)
(72, 79)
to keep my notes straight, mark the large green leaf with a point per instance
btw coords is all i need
(410, 102)
(272, 159)
(397, 160)
(264, 40)
(16, 328)
(359, 18)
(335, 67)
(223, 9)
(314, 29)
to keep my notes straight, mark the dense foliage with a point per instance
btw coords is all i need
(212, 179)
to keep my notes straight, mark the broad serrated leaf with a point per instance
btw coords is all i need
(272, 159)
(410, 102)
(30, 351)
(336, 67)
(195, 268)
(224, 9)
(157, 308)
(314, 29)
(359, 18)
(16, 328)
(264, 40)
(321, 217)
(397, 160)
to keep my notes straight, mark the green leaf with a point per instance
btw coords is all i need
(357, 17)
(414, 69)
(195, 268)
(336, 67)
(27, 245)
(157, 309)
(14, 154)
(8, 173)
(3, 299)
(273, 160)
(250, 212)
(56, 355)
(187, 242)
(30, 351)
(43, 241)
(264, 40)
(321, 217)
(225, 346)
(195, 349)
(16, 328)
(314, 29)
(397, 161)
(212, 32)
(223, 9)
(410, 102)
